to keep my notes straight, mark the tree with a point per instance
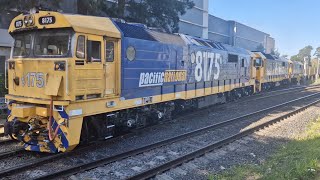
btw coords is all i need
(317, 53)
(26, 5)
(304, 52)
(162, 14)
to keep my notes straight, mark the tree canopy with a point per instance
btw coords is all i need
(162, 14)
(11, 8)
(26, 5)
(304, 52)
(317, 53)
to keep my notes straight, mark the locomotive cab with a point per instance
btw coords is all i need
(57, 60)
(258, 65)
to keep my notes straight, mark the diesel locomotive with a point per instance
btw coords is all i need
(75, 78)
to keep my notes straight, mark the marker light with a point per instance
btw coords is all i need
(60, 66)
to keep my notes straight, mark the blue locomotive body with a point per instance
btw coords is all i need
(168, 64)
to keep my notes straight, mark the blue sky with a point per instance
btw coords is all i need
(293, 23)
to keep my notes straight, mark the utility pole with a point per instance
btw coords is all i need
(317, 76)
(306, 66)
(317, 54)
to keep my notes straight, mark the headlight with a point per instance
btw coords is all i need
(60, 66)
(26, 20)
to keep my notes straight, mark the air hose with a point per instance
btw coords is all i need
(51, 138)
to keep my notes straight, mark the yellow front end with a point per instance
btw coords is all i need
(29, 123)
(38, 98)
(42, 79)
(52, 79)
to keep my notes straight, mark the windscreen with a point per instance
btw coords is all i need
(51, 44)
(22, 45)
(44, 43)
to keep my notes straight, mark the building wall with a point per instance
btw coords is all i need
(5, 52)
(271, 43)
(195, 21)
(5, 44)
(237, 34)
(249, 38)
(219, 30)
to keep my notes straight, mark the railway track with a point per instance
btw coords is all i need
(46, 159)
(202, 151)
(40, 161)
(7, 141)
(195, 153)
(280, 92)
(11, 153)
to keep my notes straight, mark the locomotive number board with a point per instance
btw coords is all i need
(18, 24)
(47, 20)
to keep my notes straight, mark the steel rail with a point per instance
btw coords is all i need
(35, 162)
(108, 160)
(6, 141)
(7, 154)
(282, 92)
(183, 159)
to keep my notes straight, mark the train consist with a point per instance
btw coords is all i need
(75, 79)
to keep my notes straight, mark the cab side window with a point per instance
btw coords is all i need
(242, 62)
(109, 51)
(81, 47)
(94, 51)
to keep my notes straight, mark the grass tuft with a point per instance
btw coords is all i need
(298, 159)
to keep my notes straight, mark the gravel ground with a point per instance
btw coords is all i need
(151, 135)
(9, 146)
(128, 167)
(253, 149)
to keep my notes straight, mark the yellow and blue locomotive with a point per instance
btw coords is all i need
(75, 78)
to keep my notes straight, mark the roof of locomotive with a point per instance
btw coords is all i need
(84, 24)
(268, 56)
(259, 54)
(139, 31)
(296, 62)
(283, 59)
